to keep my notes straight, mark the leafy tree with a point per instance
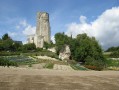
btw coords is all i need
(29, 46)
(81, 48)
(46, 45)
(16, 46)
(61, 39)
(87, 47)
(114, 54)
(5, 37)
(8, 45)
(112, 49)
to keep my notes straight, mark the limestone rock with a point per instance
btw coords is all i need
(65, 53)
(52, 49)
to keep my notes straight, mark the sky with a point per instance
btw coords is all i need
(97, 18)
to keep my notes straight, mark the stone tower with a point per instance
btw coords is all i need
(42, 30)
(43, 26)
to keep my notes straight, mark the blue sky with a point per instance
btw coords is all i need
(17, 15)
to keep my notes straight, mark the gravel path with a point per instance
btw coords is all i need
(45, 79)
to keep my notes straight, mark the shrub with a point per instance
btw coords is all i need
(78, 67)
(49, 65)
(5, 53)
(94, 64)
(115, 54)
(5, 62)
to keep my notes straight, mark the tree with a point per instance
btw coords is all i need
(46, 45)
(16, 46)
(29, 46)
(87, 47)
(61, 39)
(112, 49)
(81, 48)
(5, 37)
(7, 45)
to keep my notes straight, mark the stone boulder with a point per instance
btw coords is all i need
(52, 49)
(65, 53)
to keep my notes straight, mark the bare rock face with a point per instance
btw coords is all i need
(65, 53)
(52, 49)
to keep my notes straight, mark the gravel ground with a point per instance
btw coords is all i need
(45, 79)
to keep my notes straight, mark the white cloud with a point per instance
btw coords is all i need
(26, 28)
(29, 30)
(53, 39)
(105, 28)
(12, 34)
(17, 27)
(23, 23)
(82, 19)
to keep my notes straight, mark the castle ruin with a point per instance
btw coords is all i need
(42, 30)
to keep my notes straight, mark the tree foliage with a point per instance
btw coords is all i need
(112, 49)
(61, 39)
(82, 47)
(5, 37)
(48, 45)
(7, 44)
(29, 46)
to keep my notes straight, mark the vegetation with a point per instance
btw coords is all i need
(48, 45)
(78, 67)
(114, 54)
(42, 53)
(4, 53)
(49, 65)
(84, 49)
(5, 62)
(28, 47)
(112, 49)
(112, 63)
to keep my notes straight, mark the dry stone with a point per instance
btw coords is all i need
(65, 53)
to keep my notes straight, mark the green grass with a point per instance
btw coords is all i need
(113, 63)
(49, 65)
(78, 67)
(6, 62)
(42, 53)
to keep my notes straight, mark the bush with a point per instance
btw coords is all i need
(78, 67)
(112, 63)
(49, 65)
(115, 54)
(94, 64)
(5, 62)
(5, 53)
(29, 46)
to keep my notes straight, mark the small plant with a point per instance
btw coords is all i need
(49, 65)
(78, 67)
(30, 65)
(5, 62)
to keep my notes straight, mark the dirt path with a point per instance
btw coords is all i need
(45, 79)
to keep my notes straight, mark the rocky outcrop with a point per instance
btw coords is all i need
(65, 53)
(52, 49)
